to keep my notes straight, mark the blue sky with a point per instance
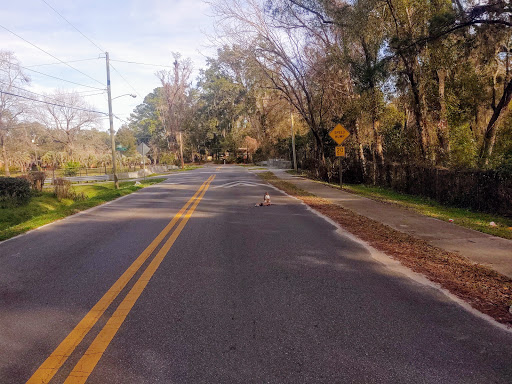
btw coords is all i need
(145, 31)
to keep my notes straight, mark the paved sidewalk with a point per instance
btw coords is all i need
(476, 246)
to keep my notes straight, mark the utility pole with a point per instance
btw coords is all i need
(293, 146)
(111, 120)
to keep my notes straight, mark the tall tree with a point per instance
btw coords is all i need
(12, 78)
(175, 104)
(66, 116)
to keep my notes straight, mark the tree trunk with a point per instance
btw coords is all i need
(417, 110)
(378, 141)
(4, 155)
(442, 126)
(490, 132)
(360, 150)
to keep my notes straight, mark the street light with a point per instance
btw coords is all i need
(126, 94)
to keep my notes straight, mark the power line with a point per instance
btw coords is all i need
(47, 97)
(126, 81)
(26, 90)
(49, 54)
(83, 92)
(57, 105)
(67, 21)
(61, 79)
(138, 63)
(72, 61)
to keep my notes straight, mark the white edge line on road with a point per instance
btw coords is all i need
(87, 210)
(395, 266)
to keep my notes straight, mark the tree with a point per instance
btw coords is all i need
(66, 116)
(146, 124)
(11, 107)
(175, 104)
(293, 57)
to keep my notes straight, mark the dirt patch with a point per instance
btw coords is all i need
(483, 288)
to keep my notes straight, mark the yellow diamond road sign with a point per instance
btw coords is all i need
(340, 151)
(339, 134)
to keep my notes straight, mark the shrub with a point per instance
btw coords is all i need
(71, 168)
(14, 191)
(64, 190)
(167, 158)
(36, 180)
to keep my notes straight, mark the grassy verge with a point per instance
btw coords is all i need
(187, 168)
(480, 286)
(45, 207)
(478, 221)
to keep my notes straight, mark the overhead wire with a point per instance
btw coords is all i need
(126, 81)
(57, 105)
(67, 21)
(138, 63)
(61, 79)
(49, 54)
(54, 63)
(93, 43)
(45, 96)
(67, 63)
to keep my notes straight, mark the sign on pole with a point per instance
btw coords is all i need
(339, 134)
(340, 151)
(143, 149)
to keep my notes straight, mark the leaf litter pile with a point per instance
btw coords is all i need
(483, 288)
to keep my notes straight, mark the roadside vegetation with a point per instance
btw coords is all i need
(45, 207)
(480, 286)
(467, 218)
(423, 88)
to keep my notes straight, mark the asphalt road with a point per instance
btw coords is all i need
(232, 293)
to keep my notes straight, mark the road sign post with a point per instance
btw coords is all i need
(142, 149)
(340, 152)
(339, 134)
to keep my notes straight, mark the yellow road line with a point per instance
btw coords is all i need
(52, 364)
(88, 362)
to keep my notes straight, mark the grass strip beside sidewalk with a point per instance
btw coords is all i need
(483, 288)
(46, 208)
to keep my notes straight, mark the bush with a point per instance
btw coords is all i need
(167, 158)
(71, 168)
(259, 156)
(14, 191)
(64, 190)
(36, 180)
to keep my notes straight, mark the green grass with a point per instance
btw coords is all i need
(187, 168)
(45, 207)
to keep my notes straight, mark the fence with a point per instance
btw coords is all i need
(486, 191)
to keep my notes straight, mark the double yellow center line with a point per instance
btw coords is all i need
(88, 361)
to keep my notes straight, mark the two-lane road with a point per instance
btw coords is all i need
(188, 282)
